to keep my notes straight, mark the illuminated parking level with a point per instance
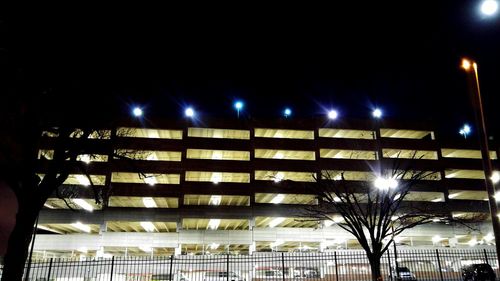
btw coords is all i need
(225, 187)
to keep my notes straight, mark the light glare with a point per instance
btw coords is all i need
(384, 184)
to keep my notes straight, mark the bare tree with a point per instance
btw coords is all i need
(374, 210)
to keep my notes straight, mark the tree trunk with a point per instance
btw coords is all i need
(375, 267)
(17, 248)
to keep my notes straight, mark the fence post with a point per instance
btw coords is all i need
(336, 267)
(439, 265)
(390, 265)
(227, 267)
(283, 264)
(50, 268)
(171, 266)
(485, 256)
(112, 268)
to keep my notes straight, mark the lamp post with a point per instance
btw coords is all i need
(470, 68)
(395, 251)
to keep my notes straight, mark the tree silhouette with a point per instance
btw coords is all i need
(374, 210)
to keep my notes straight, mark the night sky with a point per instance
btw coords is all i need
(403, 56)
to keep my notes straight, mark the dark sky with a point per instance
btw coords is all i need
(403, 56)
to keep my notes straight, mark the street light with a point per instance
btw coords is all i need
(470, 68)
(489, 7)
(385, 184)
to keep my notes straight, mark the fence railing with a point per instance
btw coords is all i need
(432, 264)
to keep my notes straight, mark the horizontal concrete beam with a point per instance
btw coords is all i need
(222, 212)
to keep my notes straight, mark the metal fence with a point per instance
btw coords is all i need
(432, 264)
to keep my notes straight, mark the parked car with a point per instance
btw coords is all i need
(222, 276)
(166, 277)
(478, 272)
(404, 274)
(268, 273)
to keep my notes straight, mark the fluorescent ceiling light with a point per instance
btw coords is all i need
(49, 206)
(277, 243)
(151, 180)
(215, 200)
(148, 226)
(213, 223)
(216, 177)
(83, 180)
(279, 177)
(82, 203)
(149, 202)
(146, 249)
(217, 155)
(152, 157)
(276, 222)
(278, 198)
(85, 158)
(451, 196)
(82, 249)
(81, 226)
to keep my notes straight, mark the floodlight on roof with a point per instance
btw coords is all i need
(287, 112)
(238, 105)
(189, 112)
(137, 111)
(377, 113)
(333, 114)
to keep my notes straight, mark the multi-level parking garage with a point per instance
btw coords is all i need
(220, 186)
